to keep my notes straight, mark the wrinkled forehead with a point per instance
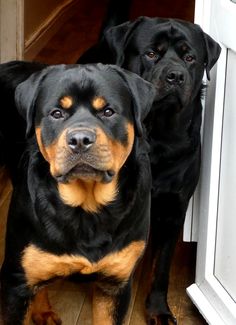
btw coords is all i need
(83, 85)
(156, 30)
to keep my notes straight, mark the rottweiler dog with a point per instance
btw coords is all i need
(173, 55)
(81, 201)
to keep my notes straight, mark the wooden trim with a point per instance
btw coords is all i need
(19, 29)
(48, 28)
(11, 29)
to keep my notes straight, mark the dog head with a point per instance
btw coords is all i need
(172, 54)
(85, 119)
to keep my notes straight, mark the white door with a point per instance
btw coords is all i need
(214, 291)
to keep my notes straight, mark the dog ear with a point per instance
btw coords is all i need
(143, 94)
(213, 50)
(117, 38)
(25, 95)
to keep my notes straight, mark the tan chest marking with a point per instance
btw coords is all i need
(42, 266)
(89, 195)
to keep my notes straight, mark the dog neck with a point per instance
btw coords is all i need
(90, 196)
(166, 123)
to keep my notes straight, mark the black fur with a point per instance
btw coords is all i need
(12, 126)
(38, 215)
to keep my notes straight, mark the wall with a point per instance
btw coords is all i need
(37, 12)
(41, 20)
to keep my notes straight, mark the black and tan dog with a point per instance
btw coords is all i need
(82, 198)
(173, 56)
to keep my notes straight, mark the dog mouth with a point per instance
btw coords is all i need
(86, 172)
(175, 96)
(172, 95)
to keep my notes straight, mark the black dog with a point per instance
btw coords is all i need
(12, 125)
(82, 196)
(173, 56)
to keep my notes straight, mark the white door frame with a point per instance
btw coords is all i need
(208, 293)
(11, 30)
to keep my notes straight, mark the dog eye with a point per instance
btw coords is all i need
(151, 55)
(108, 112)
(57, 114)
(189, 58)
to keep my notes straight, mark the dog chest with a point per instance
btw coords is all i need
(41, 266)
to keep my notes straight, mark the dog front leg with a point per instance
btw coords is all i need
(110, 304)
(168, 213)
(158, 310)
(15, 297)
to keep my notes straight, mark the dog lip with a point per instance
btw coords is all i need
(108, 176)
(164, 94)
(172, 92)
(82, 170)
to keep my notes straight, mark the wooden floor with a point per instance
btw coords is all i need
(73, 302)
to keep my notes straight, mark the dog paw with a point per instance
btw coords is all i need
(161, 320)
(46, 318)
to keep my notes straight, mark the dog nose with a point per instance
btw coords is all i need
(81, 140)
(175, 77)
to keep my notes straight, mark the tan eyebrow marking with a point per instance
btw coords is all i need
(66, 102)
(184, 47)
(160, 47)
(99, 102)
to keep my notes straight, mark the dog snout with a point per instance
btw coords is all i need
(175, 77)
(81, 140)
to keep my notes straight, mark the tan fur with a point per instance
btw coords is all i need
(99, 103)
(121, 153)
(103, 308)
(53, 154)
(66, 102)
(90, 195)
(118, 264)
(40, 143)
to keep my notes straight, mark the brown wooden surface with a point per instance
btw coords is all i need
(81, 31)
(71, 301)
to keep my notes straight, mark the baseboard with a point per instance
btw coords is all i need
(49, 27)
(205, 308)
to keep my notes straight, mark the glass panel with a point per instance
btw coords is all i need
(225, 255)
